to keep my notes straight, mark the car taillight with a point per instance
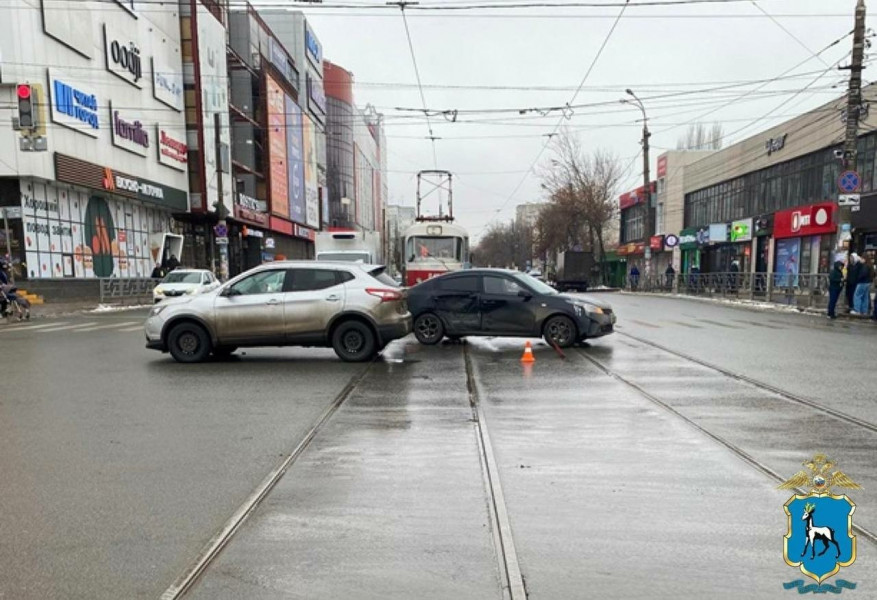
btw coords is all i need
(386, 295)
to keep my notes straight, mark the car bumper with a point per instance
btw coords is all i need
(394, 331)
(152, 329)
(599, 325)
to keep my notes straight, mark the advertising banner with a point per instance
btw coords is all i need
(278, 175)
(718, 232)
(295, 158)
(741, 231)
(816, 219)
(312, 200)
(788, 262)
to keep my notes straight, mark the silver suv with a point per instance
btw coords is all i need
(354, 308)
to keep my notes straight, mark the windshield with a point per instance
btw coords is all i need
(421, 249)
(182, 277)
(345, 256)
(535, 284)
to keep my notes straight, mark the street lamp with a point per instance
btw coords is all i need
(646, 187)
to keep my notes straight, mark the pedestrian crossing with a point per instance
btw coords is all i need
(65, 327)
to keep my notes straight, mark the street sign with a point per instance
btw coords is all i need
(671, 241)
(222, 241)
(12, 212)
(220, 231)
(849, 182)
(849, 199)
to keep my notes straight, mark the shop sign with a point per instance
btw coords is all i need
(72, 106)
(688, 239)
(129, 133)
(305, 232)
(222, 241)
(245, 214)
(718, 233)
(79, 172)
(316, 95)
(252, 204)
(763, 225)
(172, 150)
(167, 85)
(253, 233)
(662, 166)
(775, 144)
(741, 231)
(671, 241)
(269, 243)
(632, 248)
(313, 48)
(123, 58)
(635, 197)
(277, 56)
(816, 219)
(703, 236)
(656, 242)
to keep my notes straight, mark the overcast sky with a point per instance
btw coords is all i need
(543, 54)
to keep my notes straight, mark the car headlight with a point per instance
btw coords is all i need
(159, 291)
(594, 310)
(192, 292)
(587, 308)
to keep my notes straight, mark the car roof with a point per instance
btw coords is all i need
(189, 271)
(322, 264)
(483, 271)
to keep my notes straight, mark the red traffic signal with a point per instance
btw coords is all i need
(27, 118)
(24, 92)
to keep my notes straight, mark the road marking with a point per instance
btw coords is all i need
(68, 327)
(684, 324)
(110, 326)
(26, 327)
(138, 328)
(643, 323)
(507, 555)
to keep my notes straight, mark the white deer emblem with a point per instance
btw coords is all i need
(826, 534)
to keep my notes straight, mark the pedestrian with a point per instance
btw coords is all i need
(864, 274)
(670, 274)
(851, 276)
(634, 278)
(158, 272)
(835, 285)
(735, 274)
(172, 263)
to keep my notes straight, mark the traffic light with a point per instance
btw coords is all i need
(27, 117)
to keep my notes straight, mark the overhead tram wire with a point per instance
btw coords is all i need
(403, 4)
(563, 116)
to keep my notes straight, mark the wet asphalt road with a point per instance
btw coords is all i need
(119, 465)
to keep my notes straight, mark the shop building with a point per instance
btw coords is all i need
(269, 220)
(298, 37)
(634, 239)
(97, 166)
(782, 185)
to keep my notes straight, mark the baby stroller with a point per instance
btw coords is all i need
(13, 305)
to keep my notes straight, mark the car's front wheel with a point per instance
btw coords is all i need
(560, 331)
(428, 329)
(189, 343)
(354, 342)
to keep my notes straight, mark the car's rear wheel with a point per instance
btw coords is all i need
(560, 331)
(428, 329)
(354, 341)
(189, 343)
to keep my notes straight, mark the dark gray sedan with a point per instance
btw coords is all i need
(498, 302)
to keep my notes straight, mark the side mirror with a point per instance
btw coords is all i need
(524, 294)
(229, 291)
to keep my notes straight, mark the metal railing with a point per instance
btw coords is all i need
(127, 291)
(803, 290)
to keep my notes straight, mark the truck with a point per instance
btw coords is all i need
(349, 246)
(574, 270)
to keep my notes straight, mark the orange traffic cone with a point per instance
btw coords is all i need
(528, 354)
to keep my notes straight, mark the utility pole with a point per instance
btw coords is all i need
(647, 221)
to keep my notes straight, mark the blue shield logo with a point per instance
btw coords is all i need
(820, 536)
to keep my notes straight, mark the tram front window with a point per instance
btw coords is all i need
(425, 248)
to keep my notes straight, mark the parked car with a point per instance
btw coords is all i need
(354, 308)
(184, 282)
(504, 303)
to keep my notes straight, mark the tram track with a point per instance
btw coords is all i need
(190, 576)
(735, 449)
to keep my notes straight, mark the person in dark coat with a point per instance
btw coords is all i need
(634, 277)
(835, 286)
(670, 274)
(734, 277)
(852, 276)
(172, 263)
(158, 272)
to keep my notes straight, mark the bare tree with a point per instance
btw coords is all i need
(504, 245)
(699, 137)
(582, 188)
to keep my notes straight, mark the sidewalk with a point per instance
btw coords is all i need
(756, 305)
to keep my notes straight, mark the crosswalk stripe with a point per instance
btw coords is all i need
(26, 327)
(67, 327)
(110, 326)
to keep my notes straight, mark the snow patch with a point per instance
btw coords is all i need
(105, 308)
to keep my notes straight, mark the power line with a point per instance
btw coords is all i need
(560, 121)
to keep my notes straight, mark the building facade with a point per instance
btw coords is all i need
(93, 183)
